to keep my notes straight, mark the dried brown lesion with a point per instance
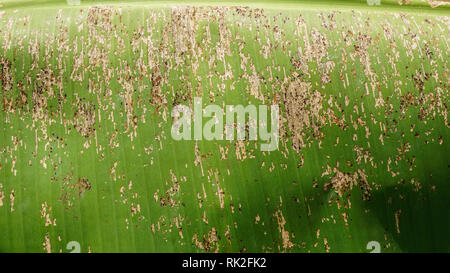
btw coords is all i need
(47, 79)
(437, 3)
(285, 235)
(183, 29)
(46, 214)
(303, 113)
(157, 96)
(343, 182)
(84, 118)
(47, 244)
(71, 187)
(82, 185)
(432, 3)
(361, 50)
(100, 16)
(6, 76)
(7, 82)
(208, 242)
(2, 195)
(40, 109)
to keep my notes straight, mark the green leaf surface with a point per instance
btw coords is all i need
(87, 155)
